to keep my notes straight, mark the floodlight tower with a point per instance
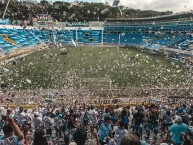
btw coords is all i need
(115, 4)
(6, 9)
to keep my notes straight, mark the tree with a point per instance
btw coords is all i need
(60, 11)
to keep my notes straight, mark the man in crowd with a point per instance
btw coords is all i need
(104, 130)
(152, 122)
(80, 136)
(12, 133)
(138, 118)
(177, 130)
(120, 132)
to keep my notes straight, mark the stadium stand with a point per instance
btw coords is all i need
(171, 31)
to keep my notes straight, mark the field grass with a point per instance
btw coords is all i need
(125, 67)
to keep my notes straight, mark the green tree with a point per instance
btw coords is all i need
(61, 11)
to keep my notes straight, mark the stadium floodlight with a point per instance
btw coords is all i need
(105, 11)
(120, 11)
(72, 16)
(116, 2)
(6, 8)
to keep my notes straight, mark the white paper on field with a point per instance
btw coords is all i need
(74, 43)
(29, 81)
(5, 69)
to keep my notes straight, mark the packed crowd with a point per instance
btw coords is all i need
(165, 123)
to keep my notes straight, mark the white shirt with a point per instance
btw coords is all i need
(20, 117)
(93, 117)
(48, 122)
(119, 134)
(37, 122)
(13, 140)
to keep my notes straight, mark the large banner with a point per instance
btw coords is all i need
(77, 24)
(5, 21)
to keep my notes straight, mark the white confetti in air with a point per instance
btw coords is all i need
(5, 69)
(29, 81)
(178, 71)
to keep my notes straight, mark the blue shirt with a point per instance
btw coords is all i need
(58, 121)
(143, 142)
(126, 120)
(104, 131)
(176, 129)
(180, 110)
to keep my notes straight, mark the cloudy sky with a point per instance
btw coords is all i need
(160, 5)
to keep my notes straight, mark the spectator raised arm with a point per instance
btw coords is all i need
(15, 128)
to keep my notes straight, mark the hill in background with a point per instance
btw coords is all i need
(61, 11)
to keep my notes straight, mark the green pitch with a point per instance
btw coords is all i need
(49, 68)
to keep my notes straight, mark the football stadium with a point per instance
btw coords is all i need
(135, 45)
(70, 67)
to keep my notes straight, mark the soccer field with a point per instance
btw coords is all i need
(118, 67)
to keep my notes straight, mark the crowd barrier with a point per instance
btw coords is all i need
(124, 104)
(13, 106)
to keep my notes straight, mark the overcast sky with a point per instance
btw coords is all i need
(160, 5)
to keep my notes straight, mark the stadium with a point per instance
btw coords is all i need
(70, 71)
(163, 37)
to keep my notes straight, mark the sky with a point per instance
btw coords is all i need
(159, 5)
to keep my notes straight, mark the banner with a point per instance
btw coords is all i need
(77, 24)
(5, 21)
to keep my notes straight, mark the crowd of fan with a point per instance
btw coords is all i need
(166, 123)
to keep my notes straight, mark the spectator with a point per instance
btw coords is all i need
(176, 129)
(37, 121)
(130, 139)
(105, 130)
(153, 124)
(48, 124)
(58, 124)
(141, 141)
(120, 132)
(12, 133)
(40, 138)
(93, 116)
(138, 118)
(80, 136)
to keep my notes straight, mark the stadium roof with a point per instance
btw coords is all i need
(165, 17)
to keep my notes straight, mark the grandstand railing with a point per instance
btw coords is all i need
(177, 21)
(178, 15)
